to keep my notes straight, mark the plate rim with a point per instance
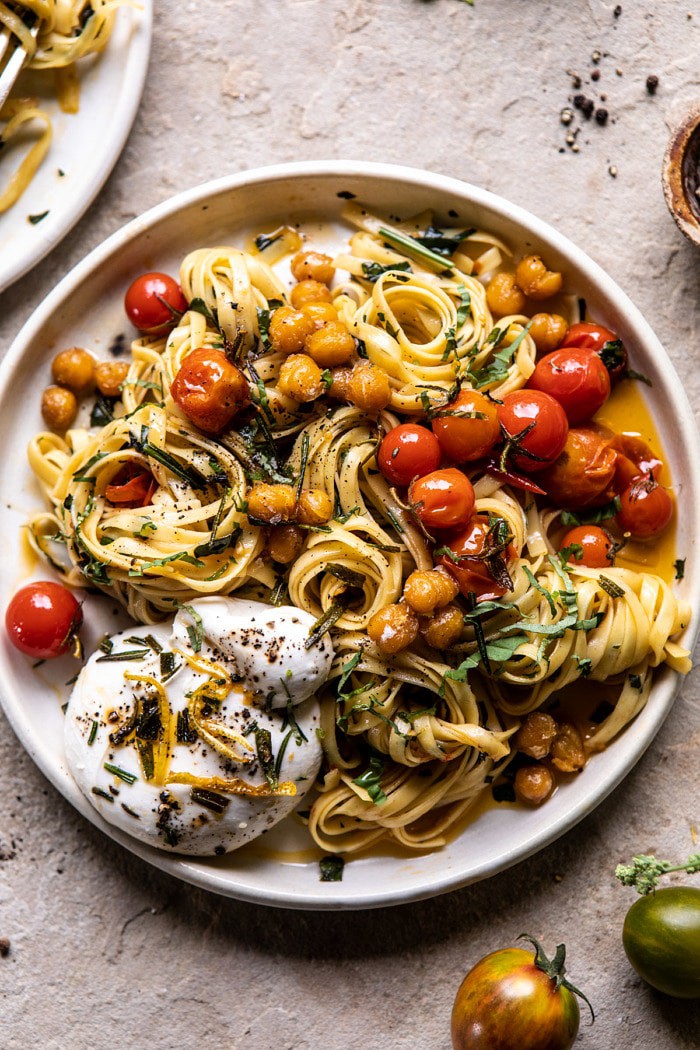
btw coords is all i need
(134, 73)
(638, 735)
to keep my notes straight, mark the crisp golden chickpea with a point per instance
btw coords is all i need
(369, 387)
(315, 507)
(567, 750)
(313, 266)
(74, 368)
(339, 389)
(109, 376)
(288, 330)
(285, 543)
(59, 407)
(535, 736)
(444, 628)
(300, 378)
(533, 784)
(309, 292)
(426, 590)
(331, 345)
(393, 628)
(535, 279)
(548, 331)
(503, 295)
(273, 504)
(320, 313)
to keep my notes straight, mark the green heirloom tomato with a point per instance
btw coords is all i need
(512, 1001)
(661, 937)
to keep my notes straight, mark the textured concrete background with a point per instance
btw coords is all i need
(107, 952)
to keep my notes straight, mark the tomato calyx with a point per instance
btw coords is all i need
(554, 969)
(493, 553)
(513, 446)
(413, 510)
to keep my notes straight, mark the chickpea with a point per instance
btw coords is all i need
(340, 387)
(369, 387)
(315, 507)
(331, 345)
(288, 330)
(535, 736)
(548, 331)
(426, 590)
(285, 543)
(74, 368)
(504, 296)
(313, 266)
(444, 628)
(393, 628)
(320, 313)
(300, 378)
(567, 751)
(109, 376)
(533, 784)
(59, 407)
(273, 504)
(535, 279)
(309, 292)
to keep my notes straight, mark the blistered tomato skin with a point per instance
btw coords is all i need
(596, 547)
(210, 390)
(545, 423)
(507, 1003)
(443, 499)
(584, 474)
(588, 336)
(577, 379)
(472, 431)
(153, 301)
(661, 938)
(407, 452)
(645, 508)
(43, 619)
(467, 566)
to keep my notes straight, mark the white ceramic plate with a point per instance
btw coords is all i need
(85, 145)
(86, 310)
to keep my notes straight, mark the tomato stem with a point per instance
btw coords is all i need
(555, 969)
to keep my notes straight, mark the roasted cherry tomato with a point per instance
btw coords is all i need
(132, 486)
(43, 619)
(584, 474)
(467, 561)
(661, 937)
(407, 452)
(210, 390)
(153, 302)
(545, 423)
(645, 508)
(635, 460)
(512, 1001)
(577, 379)
(603, 342)
(443, 499)
(597, 546)
(470, 430)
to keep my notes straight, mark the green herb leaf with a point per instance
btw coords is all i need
(195, 631)
(373, 271)
(331, 868)
(679, 567)
(592, 517)
(117, 771)
(610, 587)
(370, 780)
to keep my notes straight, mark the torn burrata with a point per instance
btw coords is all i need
(200, 734)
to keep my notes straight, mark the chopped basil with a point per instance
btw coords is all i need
(209, 799)
(34, 219)
(373, 271)
(370, 780)
(117, 771)
(679, 567)
(195, 631)
(93, 733)
(331, 868)
(263, 745)
(610, 587)
(592, 517)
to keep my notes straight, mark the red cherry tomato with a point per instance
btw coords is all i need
(467, 565)
(635, 460)
(545, 422)
(465, 436)
(153, 301)
(43, 619)
(443, 499)
(603, 342)
(596, 546)
(131, 486)
(577, 379)
(645, 508)
(512, 1001)
(407, 452)
(210, 390)
(584, 474)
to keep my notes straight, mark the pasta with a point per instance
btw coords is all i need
(69, 30)
(412, 730)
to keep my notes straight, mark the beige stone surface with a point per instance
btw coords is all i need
(105, 951)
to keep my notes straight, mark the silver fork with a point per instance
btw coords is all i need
(11, 66)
